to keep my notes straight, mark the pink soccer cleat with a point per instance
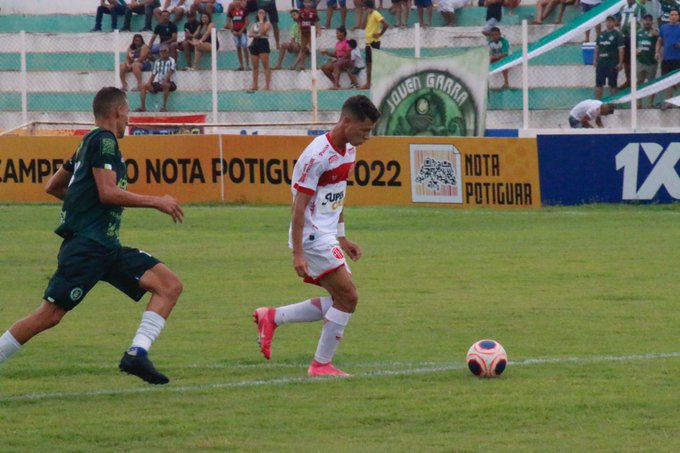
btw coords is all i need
(264, 318)
(324, 369)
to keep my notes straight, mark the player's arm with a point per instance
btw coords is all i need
(352, 249)
(111, 194)
(297, 225)
(585, 120)
(58, 183)
(598, 121)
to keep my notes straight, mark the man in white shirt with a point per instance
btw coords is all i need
(317, 235)
(587, 111)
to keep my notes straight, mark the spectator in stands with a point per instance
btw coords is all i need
(206, 6)
(448, 8)
(608, 58)
(587, 5)
(421, 5)
(331, 6)
(631, 11)
(358, 64)
(166, 32)
(499, 48)
(646, 58)
(175, 7)
(668, 49)
(113, 7)
(340, 60)
(563, 8)
(494, 14)
(583, 113)
(376, 26)
(307, 17)
(665, 8)
(269, 7)
(186, 46)
(162, 79)
(359, 15)
(397, 9)
(293, 46)
(202, 41)
(543, 10)
(145, 7)
(136, 61)
(259, 49)
(237, 22)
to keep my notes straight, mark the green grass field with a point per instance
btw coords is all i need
(584, 300)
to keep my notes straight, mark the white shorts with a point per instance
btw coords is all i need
(450, 6)
(324, 258)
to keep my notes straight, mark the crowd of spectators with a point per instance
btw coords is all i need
(658, 43)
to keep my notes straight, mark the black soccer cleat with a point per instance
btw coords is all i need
(141, 366)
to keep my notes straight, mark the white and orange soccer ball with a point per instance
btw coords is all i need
(487, 358)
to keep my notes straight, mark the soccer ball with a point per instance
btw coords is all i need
(487, 358)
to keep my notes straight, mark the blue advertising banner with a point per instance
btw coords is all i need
(575, 169)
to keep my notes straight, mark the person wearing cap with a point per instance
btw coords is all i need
(608, 58)
(162, 79)
(583, 113)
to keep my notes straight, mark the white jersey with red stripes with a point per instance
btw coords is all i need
(322, 171)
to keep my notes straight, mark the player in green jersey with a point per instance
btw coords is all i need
(93, 186)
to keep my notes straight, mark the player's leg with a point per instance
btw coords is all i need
(81, 263)
(268, 319)
(340, 286)
(136, 273)
(45, 317)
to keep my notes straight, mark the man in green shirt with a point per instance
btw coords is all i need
(608, 58)
(93, 186)
(646, 61)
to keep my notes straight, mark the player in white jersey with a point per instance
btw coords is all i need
(317, 235)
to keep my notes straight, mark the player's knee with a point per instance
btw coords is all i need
(173, 288)
(347, 301)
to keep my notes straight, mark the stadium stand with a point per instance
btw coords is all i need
(65, 64)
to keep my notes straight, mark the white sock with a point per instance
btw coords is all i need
(8, 346)
(307, 311)
(334, 324)
(149, 329)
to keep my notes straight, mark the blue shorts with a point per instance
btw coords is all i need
(603, 75)
(334, 3)
(241, 42)
(422, 3)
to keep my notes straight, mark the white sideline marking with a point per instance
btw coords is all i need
(406, 370)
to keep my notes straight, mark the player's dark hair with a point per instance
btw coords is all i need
(107, 99)
(342, 30)
(369, 4)
(360, 108)
(352, 43)
(493, 29)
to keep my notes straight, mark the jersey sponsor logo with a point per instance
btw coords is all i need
(330, 200)
(108, 147)
(337, 252)
(662, 173)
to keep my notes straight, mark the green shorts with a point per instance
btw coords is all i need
(83, 262)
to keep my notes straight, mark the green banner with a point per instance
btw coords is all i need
(441, 96)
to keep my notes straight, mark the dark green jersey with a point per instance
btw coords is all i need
(608, 45)
(82, 213)
(646, 44)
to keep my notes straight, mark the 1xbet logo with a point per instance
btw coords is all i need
(662, 174)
